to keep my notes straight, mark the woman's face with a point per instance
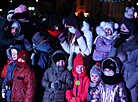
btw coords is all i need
(123, 28)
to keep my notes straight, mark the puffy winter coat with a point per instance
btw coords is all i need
(23, 86)
(53, 74)
(79, 91)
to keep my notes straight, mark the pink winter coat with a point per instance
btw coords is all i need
(79, 91)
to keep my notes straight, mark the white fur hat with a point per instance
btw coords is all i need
(129, 11)
(10, 13)
(110, 25)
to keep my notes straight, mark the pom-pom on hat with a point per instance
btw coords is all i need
(22, 8)
(96, 69)
(24, 54)
(72, 20)
(78, 61)
(129, 11)
(110, 25)
(53, 20)
(10, 14)
(37, 38)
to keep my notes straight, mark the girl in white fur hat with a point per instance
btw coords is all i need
(106, 33)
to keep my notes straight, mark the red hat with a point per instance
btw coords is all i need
(78, 61)
(24, 54)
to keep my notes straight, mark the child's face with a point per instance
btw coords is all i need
(94, 77)
(14, 30)
(108, 72)
(79, 69)
(60, 63)
(14, 55)
(108, 31)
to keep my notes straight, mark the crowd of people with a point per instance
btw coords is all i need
(55, 61)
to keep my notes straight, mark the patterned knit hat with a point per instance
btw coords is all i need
(96, 69)
(10, 14)
(24, 54)
(78, 61)
(72, 20)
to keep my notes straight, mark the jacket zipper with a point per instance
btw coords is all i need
(77, 85)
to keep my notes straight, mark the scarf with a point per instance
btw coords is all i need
(55, 32)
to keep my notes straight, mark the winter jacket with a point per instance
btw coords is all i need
(79, 91)
(3, 72)
(127, 53)
(103, 44)
(85, 42)
(53, 74)
(109, 93)
(23, 86)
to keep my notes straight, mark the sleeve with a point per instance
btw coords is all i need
(123, 93)
(86, 46)
(69, 82)
(3, 72)
(101, 46)
(88, 97)
(45, 80)
(69, 94)
(66, 47)
(31, 85)
(83, 97)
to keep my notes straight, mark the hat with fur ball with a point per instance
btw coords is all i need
(78, 61)
(37, 38)
(110, 25)
(96, 69)
(129, 11)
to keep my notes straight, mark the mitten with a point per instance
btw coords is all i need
(8, 85)
(61, 37)
(78, 34)
(58, 85)
(52, 85)
(3, 93)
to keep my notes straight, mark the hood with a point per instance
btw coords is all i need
(54, 64)
(3, 23)
(19, 26)
(117, 63)
(85, 26)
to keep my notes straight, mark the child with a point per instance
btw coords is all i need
(106, 33)
(111, 88)
(23, 83)
(56, 79)
(12, 53)
(81, 82)
(95, 76)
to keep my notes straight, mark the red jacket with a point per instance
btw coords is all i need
(3, 72)
(79, 91)
(23, 87)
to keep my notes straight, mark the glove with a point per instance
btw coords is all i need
(8, 85)
(61, 37)
(56, 85)
(119, 42)
(78, 34)
(3, 93)
(17, 42)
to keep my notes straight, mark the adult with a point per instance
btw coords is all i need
(126, 48)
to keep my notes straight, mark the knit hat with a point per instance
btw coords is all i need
(72, 20)
(109, 64)
(78, 61)
(37, 38)
(24, 54)
(58, 57)
(10, 13)
(129, 11)
(110, 25)
(53, 20)
(96, 69)
(15, 25)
